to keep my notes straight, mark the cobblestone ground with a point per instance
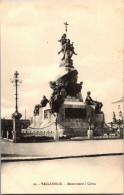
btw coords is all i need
(62, 148)
(80, 175)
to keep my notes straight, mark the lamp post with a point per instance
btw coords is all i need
(16, 115)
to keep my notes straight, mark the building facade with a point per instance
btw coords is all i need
(118, 109)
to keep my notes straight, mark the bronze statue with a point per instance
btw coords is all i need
(72, 49)
(63, 39)
(89, 101)
(36, 109)
(68, 51)
(44, 101)
(55, 102)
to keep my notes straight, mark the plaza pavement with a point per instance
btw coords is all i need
(62, 149)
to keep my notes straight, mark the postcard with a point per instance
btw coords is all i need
(62, 97)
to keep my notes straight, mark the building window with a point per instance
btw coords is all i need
(46, 114)
(75, 113)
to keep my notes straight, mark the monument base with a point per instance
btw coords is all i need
(72, 120)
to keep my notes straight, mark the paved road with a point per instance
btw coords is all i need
(62, 148)
(88, 175)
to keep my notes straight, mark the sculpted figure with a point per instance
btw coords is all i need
(44, 101)
(56, 88)
(89, 101)
(114, 117)
(72, 50)
(36, 109)
(63, 39)
(63, 50)
(67, 50)
(55, 102)
(80, 86)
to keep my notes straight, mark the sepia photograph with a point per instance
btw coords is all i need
(62, 100)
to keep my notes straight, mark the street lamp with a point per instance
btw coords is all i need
(16, 115)
(16, 82)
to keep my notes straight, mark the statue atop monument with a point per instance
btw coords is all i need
(67, 49)
(63, 39)
(66, 84)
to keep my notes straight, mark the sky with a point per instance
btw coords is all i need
(30, 31)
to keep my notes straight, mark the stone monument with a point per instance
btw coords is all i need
(66, 105)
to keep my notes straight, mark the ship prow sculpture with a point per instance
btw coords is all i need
(65, 111)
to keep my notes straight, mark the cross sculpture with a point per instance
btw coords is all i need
(66, 24)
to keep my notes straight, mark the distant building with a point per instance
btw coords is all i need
(7, 127)
(118, 108)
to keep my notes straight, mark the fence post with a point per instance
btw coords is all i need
(119, 129)
(90, 132)
(7, 134)
(2, 133)
(56, 133)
